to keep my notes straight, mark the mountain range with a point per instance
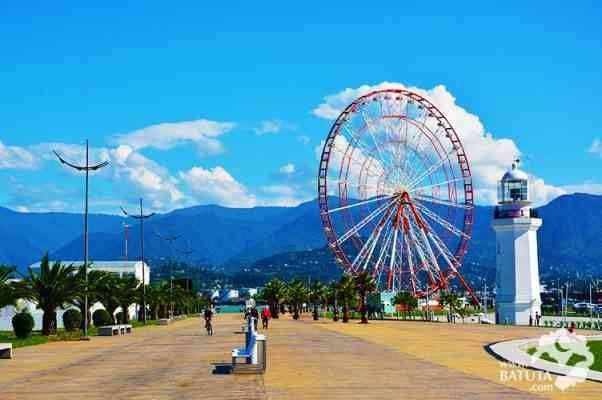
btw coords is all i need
(232, 239)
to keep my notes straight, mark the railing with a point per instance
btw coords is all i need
(499, 213)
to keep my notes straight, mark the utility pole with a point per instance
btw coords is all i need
(86, 168)
(141, 217)
(170, 239)
(186, 254)
(125, 228)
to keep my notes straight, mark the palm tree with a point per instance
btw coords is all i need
(317, 296)
(96, 283)
(109, 294)
(364, 283)
(157, 298)
(54, 287)
(347, 293)
(332, 294)
(274, 294)
(126, 294)
(407, 300)
(7, 291)
(297, 294)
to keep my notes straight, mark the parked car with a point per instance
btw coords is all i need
(584, 307)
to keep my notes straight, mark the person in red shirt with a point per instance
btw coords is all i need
(265, 317)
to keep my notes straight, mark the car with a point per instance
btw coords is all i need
(583, 306)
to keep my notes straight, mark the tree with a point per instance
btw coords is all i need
(7, 291)
(297, 294)
(317, 296)
(157, 298)
(332, 294)
(126, 294)
(274, 293)
(364, 284)
(96, 283)
(108, 294)
(406, 300)
(347, 294)
(451, 301)
(53, 287)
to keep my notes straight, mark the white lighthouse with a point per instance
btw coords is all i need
(517, 275)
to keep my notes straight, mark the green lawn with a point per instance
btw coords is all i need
(62, 335)
(595, 347)
(35, 338)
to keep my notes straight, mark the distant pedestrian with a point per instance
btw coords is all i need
(537, 318)
(530, 320)
(572, 327)
(255, 316)
(265, 317)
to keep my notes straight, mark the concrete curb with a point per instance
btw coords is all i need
(515, 352)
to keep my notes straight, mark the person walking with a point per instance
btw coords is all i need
(265, 317)
(537, 318)
(255, 316)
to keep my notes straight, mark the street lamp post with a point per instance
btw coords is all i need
(170, 239)
(141, 217)
(186, 254)
(86, 168)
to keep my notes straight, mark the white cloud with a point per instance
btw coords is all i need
(272, 126)
(14, 157)
(596, 147)
(287, 168)
(216, 185)
(203, 133)
(304, 139)
(489, 156)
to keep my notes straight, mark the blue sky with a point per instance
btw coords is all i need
(225, 100)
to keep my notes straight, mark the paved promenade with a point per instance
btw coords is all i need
(305, 360)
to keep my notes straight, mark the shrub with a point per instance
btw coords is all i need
(119, 317)
(101, 318)
(23, 324)
(72, 320)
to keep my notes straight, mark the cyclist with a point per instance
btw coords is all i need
(208, 315)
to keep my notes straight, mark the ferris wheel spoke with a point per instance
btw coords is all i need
(410, 263)
(419, 251)
(431, 169)
(447, 182)
(444, 251)
(356, 228)
(434, 200)
(382, 251)
(441, 221)
(369, 245)
(357, 144)
(361, 203)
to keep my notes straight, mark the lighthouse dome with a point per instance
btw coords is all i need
(515, 174)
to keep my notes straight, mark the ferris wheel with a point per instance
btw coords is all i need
(395, 193)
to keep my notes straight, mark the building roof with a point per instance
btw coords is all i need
(96, 264)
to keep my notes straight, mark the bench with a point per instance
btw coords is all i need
(114, 330)
(6, 350)
(254, 353)
(245, 352)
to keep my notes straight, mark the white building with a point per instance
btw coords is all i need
(517, 274)
(121, 268)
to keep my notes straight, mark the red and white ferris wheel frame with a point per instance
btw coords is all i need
(417, 220)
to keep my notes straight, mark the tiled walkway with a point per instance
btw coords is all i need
(306, 360)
